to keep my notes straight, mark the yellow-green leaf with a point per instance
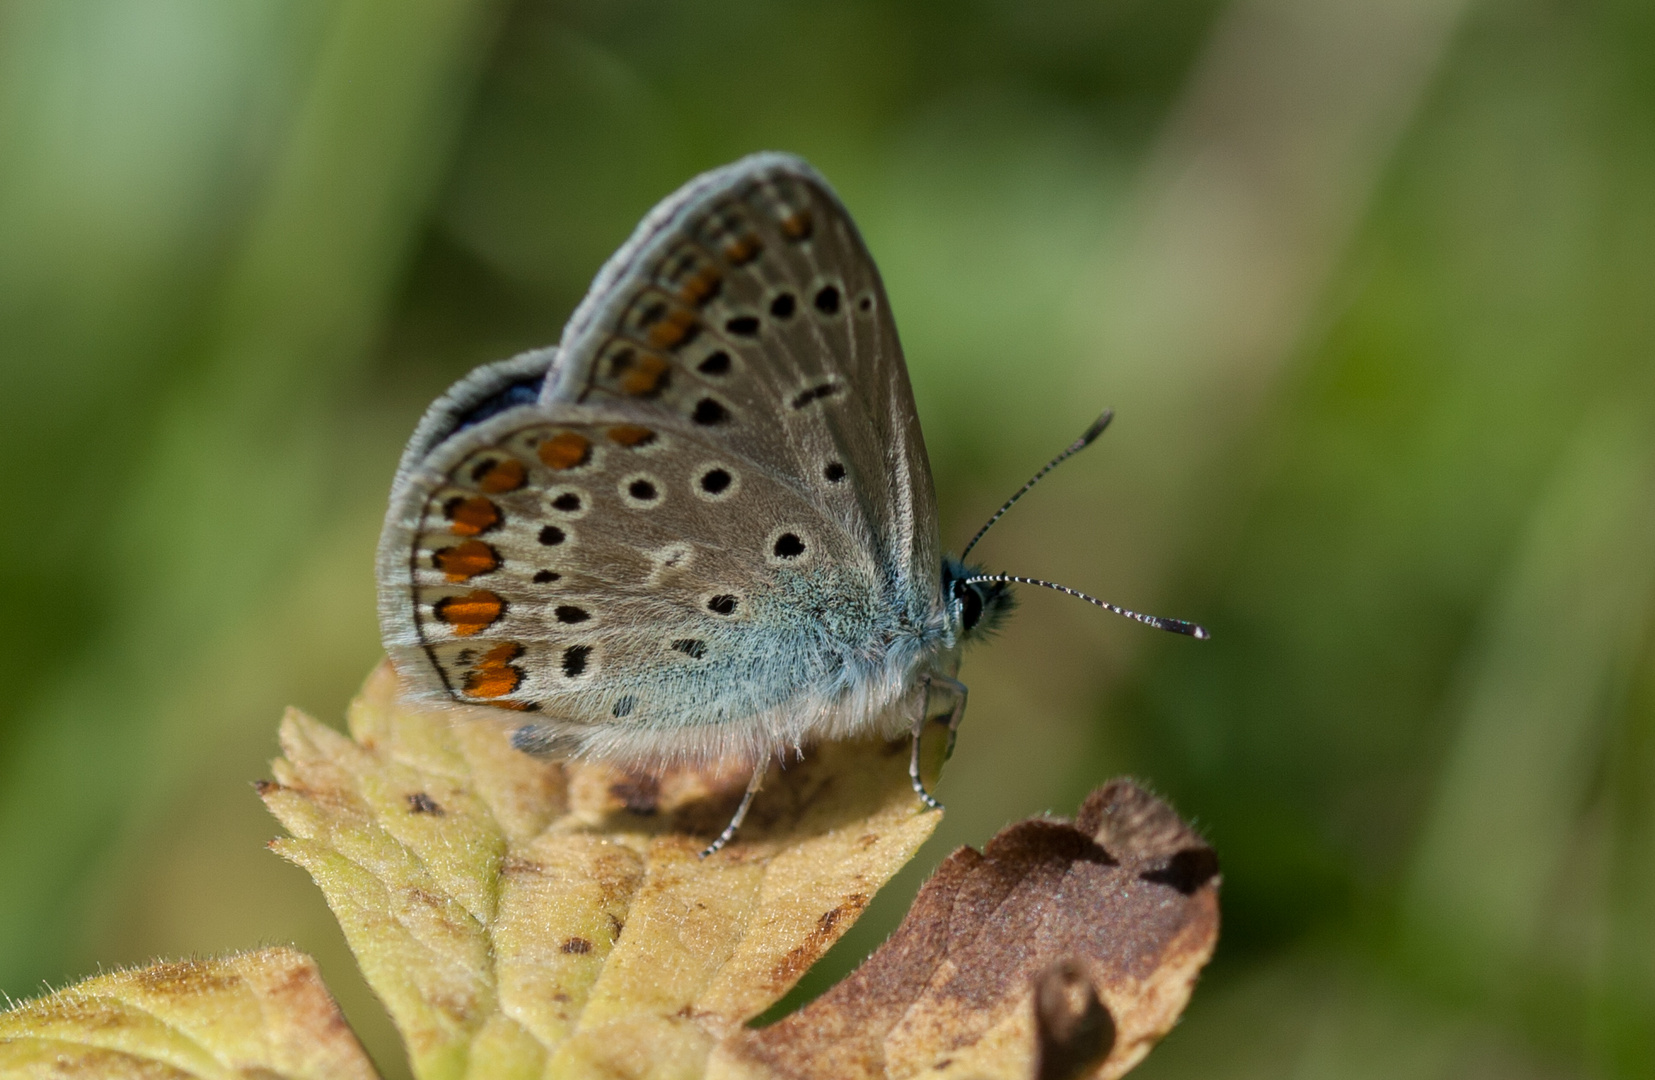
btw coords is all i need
(522, 918)
(263, 1014)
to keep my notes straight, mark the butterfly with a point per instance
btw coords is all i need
(702, 527)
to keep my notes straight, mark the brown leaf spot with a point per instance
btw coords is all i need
(640, 793)
(421, 803)
(577, 945)
(799, 958)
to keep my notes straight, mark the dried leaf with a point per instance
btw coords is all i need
(1063, 950)
(520, 918)
(526, 919)
(262, 1013)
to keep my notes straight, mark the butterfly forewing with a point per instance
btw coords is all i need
(753, 312)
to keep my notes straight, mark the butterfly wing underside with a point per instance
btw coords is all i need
(705, 522)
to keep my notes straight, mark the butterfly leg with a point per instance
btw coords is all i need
(955, 714)
(753, 786)
(925, 797)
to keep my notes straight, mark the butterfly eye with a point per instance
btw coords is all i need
(971, 605)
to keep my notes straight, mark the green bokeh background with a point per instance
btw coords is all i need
(1370, 284)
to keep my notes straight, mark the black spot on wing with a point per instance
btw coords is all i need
(815, 393)
(709, 412)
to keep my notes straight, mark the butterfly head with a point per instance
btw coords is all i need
(975, 608)
(977, 602)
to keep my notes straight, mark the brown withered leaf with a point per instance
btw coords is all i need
(1064, 950)
(262, 1014)
(520, 918)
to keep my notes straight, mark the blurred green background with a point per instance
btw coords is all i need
(1371, 286)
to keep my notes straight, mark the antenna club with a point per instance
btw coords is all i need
(1175, 626)
(1096, 429)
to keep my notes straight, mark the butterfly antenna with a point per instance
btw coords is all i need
(1074, 448)
(1175, 626)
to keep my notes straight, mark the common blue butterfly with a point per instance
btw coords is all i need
(702, 526)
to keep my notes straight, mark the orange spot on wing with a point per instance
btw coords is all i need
(471, 517)
(566, 450)
(743, 249)
(497, 475)
(472, 613)
(494, 676)
(701, 286)
(465, 561)
(689, 273)
(645, 374)
(631, 435)
(675, 326)
(797, 225)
